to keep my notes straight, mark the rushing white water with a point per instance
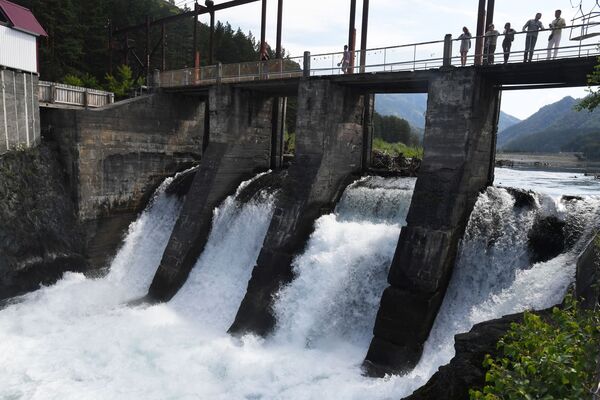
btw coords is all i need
(493, 276)
(80, 340)
(342, 273)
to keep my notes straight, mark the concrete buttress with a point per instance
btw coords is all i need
(240, 141)
(461, 124)
(329, 147)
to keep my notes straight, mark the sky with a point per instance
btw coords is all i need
(322, 26)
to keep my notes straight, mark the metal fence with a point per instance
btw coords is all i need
(68, 95)
(409, 57)
(290, 67)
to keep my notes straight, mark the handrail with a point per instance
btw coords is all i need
(413, 57)
(69, 95)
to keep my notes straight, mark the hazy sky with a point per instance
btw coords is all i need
(322, 26)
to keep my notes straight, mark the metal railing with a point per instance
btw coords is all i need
(290, 67)
(68, 95)
(409, 57)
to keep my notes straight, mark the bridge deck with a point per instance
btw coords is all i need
(541, 74)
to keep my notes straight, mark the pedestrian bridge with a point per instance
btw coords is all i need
(402, 59)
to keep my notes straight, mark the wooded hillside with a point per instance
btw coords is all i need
(79, 30)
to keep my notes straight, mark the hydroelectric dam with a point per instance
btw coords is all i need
(178, 253)
(235, 130)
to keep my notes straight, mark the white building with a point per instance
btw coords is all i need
(19, 104)
(19, 31)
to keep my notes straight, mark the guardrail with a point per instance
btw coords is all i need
(75, 96)
(231, 73)
(409, 57)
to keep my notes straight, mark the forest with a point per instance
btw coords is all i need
(78, 38)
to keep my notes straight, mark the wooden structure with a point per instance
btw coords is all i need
(59, 95)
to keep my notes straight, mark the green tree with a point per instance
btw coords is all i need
(121, 83)
(394, 130)
(592, 101)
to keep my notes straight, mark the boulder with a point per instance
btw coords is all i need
(546, 239)
(587, 286)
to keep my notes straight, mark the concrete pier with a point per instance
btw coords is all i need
(240, 146)
(329, 149)
(461, 125)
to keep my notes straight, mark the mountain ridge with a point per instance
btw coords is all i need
(412, 107)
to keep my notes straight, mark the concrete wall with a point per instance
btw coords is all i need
(239, 147)
(461, 125)
(329, 149)
(19, 110)
(116, 156)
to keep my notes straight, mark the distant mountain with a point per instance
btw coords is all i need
(551, 129)
(412, 107)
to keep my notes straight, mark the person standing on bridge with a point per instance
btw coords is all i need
(532, 27)
(465, 45)
(509, 38)
(491, 40)
(345, 63)
(554, 40)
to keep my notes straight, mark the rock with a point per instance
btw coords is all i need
(587, 286)
(465, 371)
(546, 239)
(523, 198)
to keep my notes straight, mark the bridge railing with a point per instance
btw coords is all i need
(409, 57)
(230, 73)
(51, 93)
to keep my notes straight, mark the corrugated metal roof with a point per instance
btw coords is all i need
(21, 18)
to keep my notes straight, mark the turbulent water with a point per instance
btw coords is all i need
(78, 339)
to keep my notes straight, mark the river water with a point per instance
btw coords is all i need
(78, 339)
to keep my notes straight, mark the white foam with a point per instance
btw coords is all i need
(78, 340)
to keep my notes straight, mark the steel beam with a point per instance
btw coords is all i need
(174, 18)
(489, 19)
(363, 35)
(352, 34)
(263, 29)
(480, 32)
(278, 48)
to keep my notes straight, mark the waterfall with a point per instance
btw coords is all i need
(493, 276)
(81, 339)
(217, 284)
(343, 271)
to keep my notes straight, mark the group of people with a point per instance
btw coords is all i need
(532, 27)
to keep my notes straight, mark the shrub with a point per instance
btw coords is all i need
(398, 148)
(553, 358)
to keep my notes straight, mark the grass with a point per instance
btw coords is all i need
(398, 148)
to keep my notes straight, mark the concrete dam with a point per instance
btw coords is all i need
(328, 271)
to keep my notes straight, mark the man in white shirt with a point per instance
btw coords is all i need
(554, 40)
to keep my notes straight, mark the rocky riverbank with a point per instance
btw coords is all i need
(549, 161)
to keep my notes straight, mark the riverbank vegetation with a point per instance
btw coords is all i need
(545, 358)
